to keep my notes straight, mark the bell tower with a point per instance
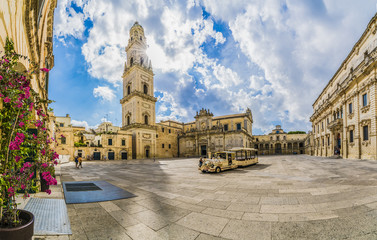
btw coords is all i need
(138, 102)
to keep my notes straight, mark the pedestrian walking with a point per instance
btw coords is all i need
(80, 162)
(200, 162)
(77, 161)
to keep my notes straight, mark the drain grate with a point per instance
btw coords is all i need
(81, 187)
(51, 216)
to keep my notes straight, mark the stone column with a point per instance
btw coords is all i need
(372, 109)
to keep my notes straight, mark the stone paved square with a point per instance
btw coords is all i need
(282, 197)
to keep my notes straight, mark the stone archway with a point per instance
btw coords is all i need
(278, 148)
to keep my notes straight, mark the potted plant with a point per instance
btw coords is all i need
(25, 143)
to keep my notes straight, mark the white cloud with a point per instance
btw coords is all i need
(104, 92)
(68, 22)
(83, 124)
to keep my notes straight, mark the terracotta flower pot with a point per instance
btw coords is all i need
(23, 232)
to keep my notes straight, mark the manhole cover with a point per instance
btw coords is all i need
(81, 187)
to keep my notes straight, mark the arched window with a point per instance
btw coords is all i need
(146, 119)
(132, 61)
(145, 89)
(141, 61)
(128, 90)
(128, 120)
(141, 38)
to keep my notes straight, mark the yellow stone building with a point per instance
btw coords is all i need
(280, 142)
(344, 118)
(212, 134)
(107, 142)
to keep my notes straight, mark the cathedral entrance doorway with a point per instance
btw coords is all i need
(278, 148)
(203, 149)
(147, 152)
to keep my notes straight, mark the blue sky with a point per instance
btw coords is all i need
(271, 56)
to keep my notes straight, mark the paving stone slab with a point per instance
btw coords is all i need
(142, 232)
(260, 217)
(287, 208)
(204, 223)
(177, 232)
(191, 207)
(214, 204)
(243, 207)
(278, 201)
(124, 218)
(151, 219)
(223, 213)
(241, 229)
(204, 236)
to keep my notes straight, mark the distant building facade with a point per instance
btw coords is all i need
(344, 119)
(98, 144)
(212, 134)
(279, 142)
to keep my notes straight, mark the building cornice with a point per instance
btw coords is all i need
(139, 94)
(138, 66)
(139, 125)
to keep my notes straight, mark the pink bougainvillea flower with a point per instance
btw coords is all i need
(11, 191)
(45, 69)
(7, 99)
(43, 152)
(1, 77)
(31, 106)
(39, 123)
(45, 165)
(21, 124)
(55, 156)
(17, 158)
(6, 60)
(23, 186)
(18, 140)
(30, 176)
(27, 165)
(48, 191)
